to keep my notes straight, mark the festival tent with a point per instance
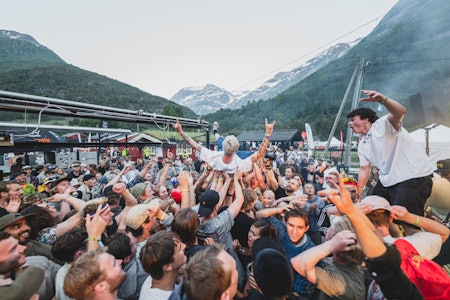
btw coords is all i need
(438, 141)
(334, 144)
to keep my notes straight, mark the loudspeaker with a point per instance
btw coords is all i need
(50, 157)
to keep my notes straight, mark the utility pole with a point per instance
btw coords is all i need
(356, 80)
(356, 95)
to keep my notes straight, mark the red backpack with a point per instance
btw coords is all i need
(429, 277)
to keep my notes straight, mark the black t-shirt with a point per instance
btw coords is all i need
(280, 193)
(240, 229)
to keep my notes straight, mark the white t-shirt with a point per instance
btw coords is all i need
(149, 293)
(214, 159)
(395, 153)
(426, 243)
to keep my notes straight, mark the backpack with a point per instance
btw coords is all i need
(429, 277)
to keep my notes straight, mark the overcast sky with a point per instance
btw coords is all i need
(163, 46)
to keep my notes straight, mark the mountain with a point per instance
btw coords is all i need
(284, 80)
(210, 98)
(406, 58)
(29, 67)
(204, 100)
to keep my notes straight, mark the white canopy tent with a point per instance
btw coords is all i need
(333, 143)
(438, 141)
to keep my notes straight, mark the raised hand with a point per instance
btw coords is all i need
(177, 127)
(343, 241)
(341, 199)
(183, 178)
(13, 205)
(95, 225)
(169, 155)
(119, 188)
(269, 127)
(373, 96)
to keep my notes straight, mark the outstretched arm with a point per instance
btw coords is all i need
(370, 242)
(265, 143)
(402, 214)
(305, 262)
(396, 110)
(179, 130)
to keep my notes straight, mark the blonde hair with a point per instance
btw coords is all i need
(230, 144)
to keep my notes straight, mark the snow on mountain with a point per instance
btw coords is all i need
(204, 100)
(18, 36)
(284, 80)
(210, 98)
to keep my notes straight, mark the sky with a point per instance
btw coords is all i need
(163, 46)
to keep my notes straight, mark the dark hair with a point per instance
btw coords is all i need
(186, 224)
(379, 217)
(68, 244)
(42, 219)
(297, 212)
(364, 113)
(119, 245)
(157, 252)
(301, 177)
(4, 235)
(265, 228)
(293, 169)
(205, 276)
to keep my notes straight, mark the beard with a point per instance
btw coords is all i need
(114, 283)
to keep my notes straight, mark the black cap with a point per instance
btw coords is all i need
(443, 165)
(208, 200)
(87, 177)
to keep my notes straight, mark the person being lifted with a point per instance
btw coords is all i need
(227, 160)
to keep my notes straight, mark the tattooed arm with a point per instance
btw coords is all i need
(179, 129)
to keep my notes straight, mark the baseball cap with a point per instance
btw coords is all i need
(376, 202)
(50, 179)
(76, 163)
(208, 200)
(87, 177)
(137, 215)
(443, 165)
(26, 167)
(138, 189)
(24, 286)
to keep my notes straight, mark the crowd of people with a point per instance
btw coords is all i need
(225, 224)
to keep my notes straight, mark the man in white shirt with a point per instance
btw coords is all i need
(405, 170)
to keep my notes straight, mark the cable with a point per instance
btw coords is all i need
(310, 52)
(413, 61)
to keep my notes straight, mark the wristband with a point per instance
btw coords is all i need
(417, 221)
(184, 190)
(382, 102)
(267, 136)
(99, 241)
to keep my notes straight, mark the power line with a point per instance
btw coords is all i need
(309, 53)
(413, 61)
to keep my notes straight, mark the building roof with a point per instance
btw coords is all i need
(139, 138)
(277, 136)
